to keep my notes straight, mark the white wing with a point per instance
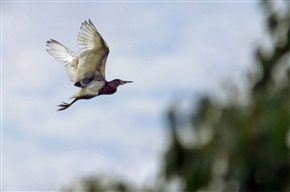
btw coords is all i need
(64, 55)
(94, 52)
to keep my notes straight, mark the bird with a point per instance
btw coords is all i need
(86, 70)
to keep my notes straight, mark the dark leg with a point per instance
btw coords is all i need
(64, 105)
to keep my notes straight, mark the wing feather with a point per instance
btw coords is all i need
(94, 52)
(64, 55)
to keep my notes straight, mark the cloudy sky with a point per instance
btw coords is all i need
(171, 50)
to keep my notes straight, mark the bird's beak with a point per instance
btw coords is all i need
(124, 82)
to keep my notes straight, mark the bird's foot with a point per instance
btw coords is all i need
(63, 106)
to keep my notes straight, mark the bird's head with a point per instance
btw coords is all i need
(116, 82)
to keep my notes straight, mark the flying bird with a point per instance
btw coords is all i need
(86, 70)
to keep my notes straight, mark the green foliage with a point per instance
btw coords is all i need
(248, 148)
(98, 184)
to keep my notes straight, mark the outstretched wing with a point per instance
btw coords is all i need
(64, 55)
(94, 52)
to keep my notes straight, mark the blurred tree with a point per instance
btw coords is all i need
(99, 184)
(234, 147)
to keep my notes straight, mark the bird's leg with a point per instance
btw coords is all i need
(64, 105)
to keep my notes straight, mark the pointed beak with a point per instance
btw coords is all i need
(124, 82)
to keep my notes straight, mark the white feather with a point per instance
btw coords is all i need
(91, 90)
(93, 52)
(64, 55)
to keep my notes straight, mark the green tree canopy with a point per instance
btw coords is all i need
(241, 148)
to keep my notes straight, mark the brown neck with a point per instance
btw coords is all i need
(107, 89)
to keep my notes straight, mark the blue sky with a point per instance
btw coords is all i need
(172, 51)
